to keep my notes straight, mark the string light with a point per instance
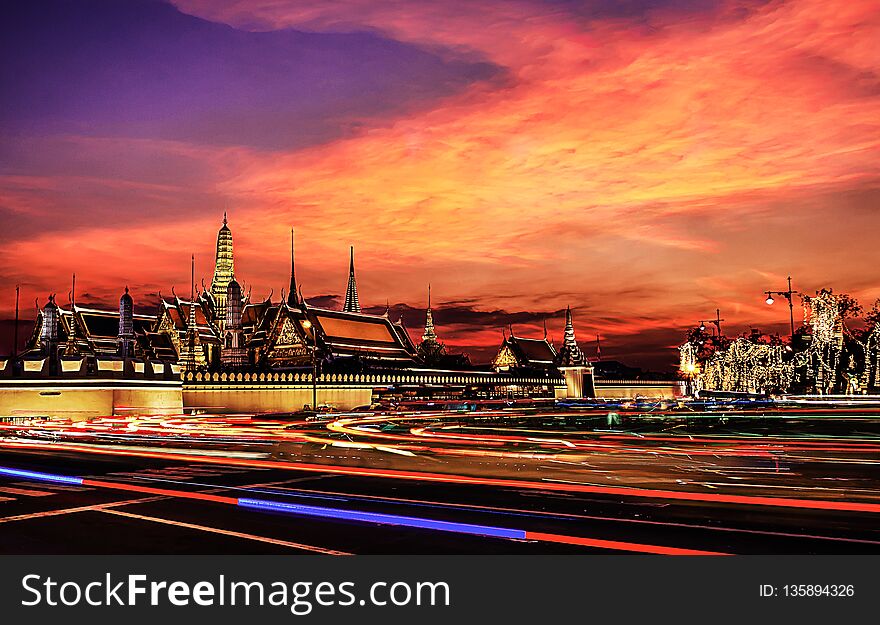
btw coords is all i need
(835, 360)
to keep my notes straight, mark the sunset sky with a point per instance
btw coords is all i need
(643, 161)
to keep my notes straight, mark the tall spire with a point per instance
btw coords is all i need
(429, 336)
(570, 354)
(125, 338)
(351, 294)
(191, 354)
(224, 268)
(72, 346)
(293, 293)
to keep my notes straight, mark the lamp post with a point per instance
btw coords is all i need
(691, 370)
(787, 295)
(715, 322)
(308, 326)
(15, 331)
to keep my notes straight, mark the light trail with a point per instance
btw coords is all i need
(549, 485)
(363, 517)
(537, 514)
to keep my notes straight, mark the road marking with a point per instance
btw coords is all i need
(365, 517)
(217, 530)
(101, 506)
(73, 489)
(181, 471)
(25, 491)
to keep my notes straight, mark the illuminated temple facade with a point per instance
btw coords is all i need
(230, 331)
(220, 330)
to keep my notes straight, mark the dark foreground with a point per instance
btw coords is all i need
(527, 486)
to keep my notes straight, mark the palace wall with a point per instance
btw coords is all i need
(225, 398)
(630, 389)
(84, 399)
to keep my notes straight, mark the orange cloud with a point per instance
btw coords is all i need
(644, 170)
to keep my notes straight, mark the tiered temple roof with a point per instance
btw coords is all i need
(224, 269)
(273, 334)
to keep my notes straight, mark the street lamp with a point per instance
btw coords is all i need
(308, 326)
(715, 322)
(787, 295)
(691, 370)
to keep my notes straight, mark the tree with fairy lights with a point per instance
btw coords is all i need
(824, 356)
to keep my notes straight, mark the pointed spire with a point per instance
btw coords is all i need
(570, 354)
(351, 295)
(72, 347)
(224, 269)
(191, 355)
(125, 337)
(292, 294)
(430, 336)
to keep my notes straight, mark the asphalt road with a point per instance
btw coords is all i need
(41, 517)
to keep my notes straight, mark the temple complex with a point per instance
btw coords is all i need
(228, 351)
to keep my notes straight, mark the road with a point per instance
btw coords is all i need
(440, 483)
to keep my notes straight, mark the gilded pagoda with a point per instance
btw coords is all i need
(220, 333)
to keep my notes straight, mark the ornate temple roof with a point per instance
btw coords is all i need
(180, 315)
(89, 331)
(355, 333)
(518, 352)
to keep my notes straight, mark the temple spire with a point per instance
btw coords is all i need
(293, 293)
(351, 295)
(570, 354)
(125, 338)
(430, 336)
(191, 354)
(224, 269)
(72, 346)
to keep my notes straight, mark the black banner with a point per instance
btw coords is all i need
(424, 590)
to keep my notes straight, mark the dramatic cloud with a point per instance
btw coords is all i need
(645, 162)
